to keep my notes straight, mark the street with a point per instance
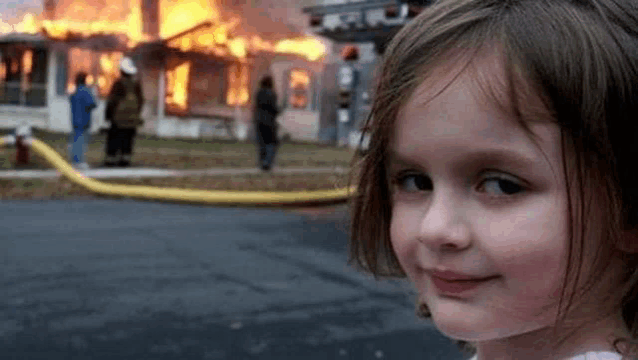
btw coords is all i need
(122, 279)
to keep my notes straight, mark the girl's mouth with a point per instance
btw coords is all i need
(456, 287)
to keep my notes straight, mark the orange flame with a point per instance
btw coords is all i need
(299, 83)
(238, 85)
(178, 16)
(113, 18)
(176, 84)
(27, 61)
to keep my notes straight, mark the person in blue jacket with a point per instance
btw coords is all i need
(82, 104)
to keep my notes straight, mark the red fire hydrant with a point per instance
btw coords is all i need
(22, 149)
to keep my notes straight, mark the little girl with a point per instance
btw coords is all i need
(501, 177)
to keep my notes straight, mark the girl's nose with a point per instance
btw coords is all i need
(443, 225)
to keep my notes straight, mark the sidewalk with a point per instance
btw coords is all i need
(113, 173)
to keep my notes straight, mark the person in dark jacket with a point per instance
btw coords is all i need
(266, 112)
(123, 111)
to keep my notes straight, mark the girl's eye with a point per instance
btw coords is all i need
(414, 183)
(500, 186)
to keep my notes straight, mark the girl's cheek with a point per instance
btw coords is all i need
(402, 236)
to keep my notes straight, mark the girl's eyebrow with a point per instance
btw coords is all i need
(489, 156)
(396, 159)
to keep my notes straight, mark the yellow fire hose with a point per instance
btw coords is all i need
(184, 195)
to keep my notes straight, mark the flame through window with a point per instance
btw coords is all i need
(299, 85)
(177, 87)
(238, 78)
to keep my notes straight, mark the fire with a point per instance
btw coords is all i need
(311, 48)
(28, 25)
(27, 61)
(179, 16)
(124, 17)
(75, 23)
(103, 73)
(176, 84)
(299, 79)
(83, 19)
(238, 85)
(27, 66)
(299, 83)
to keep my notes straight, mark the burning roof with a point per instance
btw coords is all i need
(100, 32)
(235, 30)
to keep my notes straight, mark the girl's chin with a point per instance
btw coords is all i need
(462, 322)
(476, 329)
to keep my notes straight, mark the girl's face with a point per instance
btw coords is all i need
(473, 197)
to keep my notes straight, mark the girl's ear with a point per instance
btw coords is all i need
(629, 242)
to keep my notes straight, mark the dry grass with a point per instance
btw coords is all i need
(185, 154)
(191, 154)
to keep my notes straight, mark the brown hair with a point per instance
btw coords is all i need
(80, 78)
(266, 82)
(581, 58)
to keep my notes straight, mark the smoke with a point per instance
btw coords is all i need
(15, 10)
(272, 19)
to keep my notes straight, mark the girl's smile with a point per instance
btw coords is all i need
(455, 285)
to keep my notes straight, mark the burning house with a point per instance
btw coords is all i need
(199, 63)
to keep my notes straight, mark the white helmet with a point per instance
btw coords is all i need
(128, 66)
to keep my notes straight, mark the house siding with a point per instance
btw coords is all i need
(299, 124)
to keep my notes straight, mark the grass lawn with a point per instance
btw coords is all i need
(185, 154)
(150, 151)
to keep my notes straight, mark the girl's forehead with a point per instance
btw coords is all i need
(471, 110)
(494, 82)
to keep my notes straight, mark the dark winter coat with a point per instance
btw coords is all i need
(266, 110)
(118, 92)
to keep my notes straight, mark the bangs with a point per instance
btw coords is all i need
(498, 80)
(502, 83)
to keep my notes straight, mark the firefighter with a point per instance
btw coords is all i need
(123, 112)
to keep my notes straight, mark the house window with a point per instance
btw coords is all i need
(299, 89)
(101, 67)
(238, 78)
(177, 83)
(23, 75)
(206, 86)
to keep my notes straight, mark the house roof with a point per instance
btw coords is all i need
(23, 38)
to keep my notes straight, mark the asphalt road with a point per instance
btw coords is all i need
(120, 279)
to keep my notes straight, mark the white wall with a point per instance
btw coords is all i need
(14, 116)
(171, 126)
(299, 124)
